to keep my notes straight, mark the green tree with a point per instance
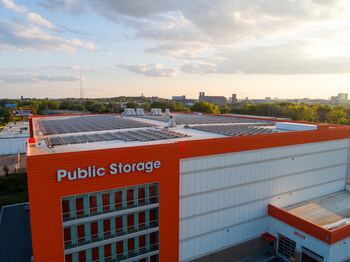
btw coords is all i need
(132, 104)
(224, 109)
(146, 107)
(338, 117)
(205, 107)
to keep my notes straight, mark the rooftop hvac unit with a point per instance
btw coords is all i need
(129, 112)
(140, 112)
(156, 111)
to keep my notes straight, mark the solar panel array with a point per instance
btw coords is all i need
(135, 135)
(203, 119)
(88, 123)
(234, 130)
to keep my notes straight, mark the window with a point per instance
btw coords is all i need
(130, 197)
(154, 258)
(106, 201)
(95, 254)
(108, 251)
(130, 222)
(141, 195)
(106, 227)
(69, 258)
(65, 209)
(153, 193)
(119, 224)
(67, 236)
(79, 206)
(93, 204)
(82, 256)
(81, 233)
(153, 217)
(142, 242)
(94, 230)
(153, 239)
(142, 219)
(118, 199)
(131, 245)
(120, 248)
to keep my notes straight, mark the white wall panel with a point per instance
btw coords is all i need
(206, 244)
(12, 146)
(340, 251)
(230, 191)
(225, 197)
(202, 181)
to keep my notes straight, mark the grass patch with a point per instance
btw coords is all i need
(13, 189)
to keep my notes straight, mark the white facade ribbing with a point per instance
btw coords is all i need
(224, 198)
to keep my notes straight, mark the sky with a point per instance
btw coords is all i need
(165, 48)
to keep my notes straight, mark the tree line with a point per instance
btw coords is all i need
(308, 113)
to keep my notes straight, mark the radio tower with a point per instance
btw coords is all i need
(81, 86)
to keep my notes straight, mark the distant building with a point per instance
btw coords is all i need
(179, 98)
(234, 99)
(184, 100)
(340, 98)
(13, 138)
(216, 100)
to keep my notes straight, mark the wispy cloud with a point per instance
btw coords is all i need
(37, 78)
(30, 34)
(152, 70)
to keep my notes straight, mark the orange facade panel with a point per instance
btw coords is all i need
(45, 192)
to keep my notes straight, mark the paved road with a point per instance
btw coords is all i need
(10, 161)
(15, 234)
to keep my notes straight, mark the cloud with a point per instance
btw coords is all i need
(38, 20)
(9, 4)
(135, 8)
(71, 6)
(284, 59)
(23, 35)
(37, 78)
(27, 36)
(152, 70)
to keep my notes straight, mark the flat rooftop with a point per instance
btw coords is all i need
(325, 210)
(15, 234)
(15, 130)
(78, 133)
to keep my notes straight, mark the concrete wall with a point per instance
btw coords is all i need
(11, 146)
(224, 198)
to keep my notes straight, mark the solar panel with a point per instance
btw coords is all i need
(127, 136)
(234, 130)
(88, 123)
(204, 119)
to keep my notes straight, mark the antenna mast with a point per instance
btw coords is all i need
(81, 86)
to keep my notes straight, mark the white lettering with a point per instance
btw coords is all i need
(60, 174)
(82, 173)
(156, 164)
(100, 171)
(113, 168)
(127, 168)
(149, 167)
(72, 177)
(140, 166)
